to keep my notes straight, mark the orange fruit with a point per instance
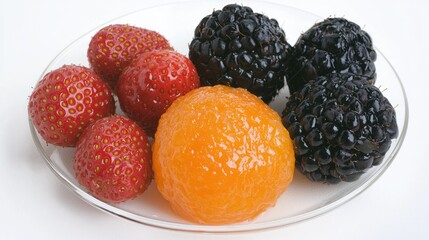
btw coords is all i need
(221, 156)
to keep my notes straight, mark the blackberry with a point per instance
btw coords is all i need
(340, 125)
(239, 48)
(334, 45)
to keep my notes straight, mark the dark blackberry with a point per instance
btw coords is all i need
(340, 125)
(239, 48)
(334, 45)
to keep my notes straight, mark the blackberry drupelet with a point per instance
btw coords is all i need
(239, 48)
(340, 125)
(334, 45)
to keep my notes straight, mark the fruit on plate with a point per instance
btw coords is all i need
(221, 155)
(113, 47)
(335, 45)
(66, 101)
(152, 82)
(112, 159)
(240, 48)
(341, 126)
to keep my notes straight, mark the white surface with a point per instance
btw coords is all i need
(34, 203)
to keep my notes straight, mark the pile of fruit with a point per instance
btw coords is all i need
(201, 127)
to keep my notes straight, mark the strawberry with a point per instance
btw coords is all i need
(66, 101)
(152, 82)
(113, 47)
(112, 159)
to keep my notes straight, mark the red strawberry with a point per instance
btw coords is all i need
(66, 101)
(113, 47)
(152, 82)
(112, 159)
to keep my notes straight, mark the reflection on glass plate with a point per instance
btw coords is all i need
(302, 200)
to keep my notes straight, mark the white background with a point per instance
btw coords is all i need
(34, 204)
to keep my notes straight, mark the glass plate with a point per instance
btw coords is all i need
(302, 200)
